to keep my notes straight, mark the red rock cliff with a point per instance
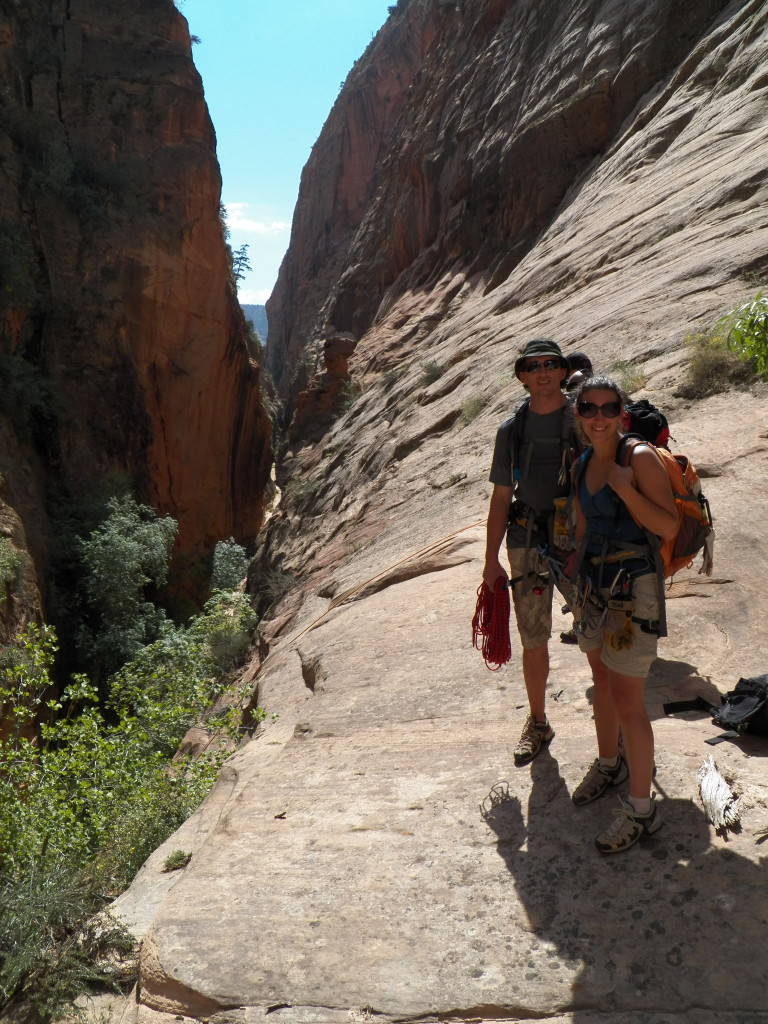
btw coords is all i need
(118, 298)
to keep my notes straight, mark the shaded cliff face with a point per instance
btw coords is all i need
(454, 142)
(118, 304)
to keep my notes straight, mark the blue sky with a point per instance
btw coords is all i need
(272, 70)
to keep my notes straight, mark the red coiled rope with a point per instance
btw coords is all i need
(491, 622)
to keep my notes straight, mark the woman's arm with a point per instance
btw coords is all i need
(644, 488)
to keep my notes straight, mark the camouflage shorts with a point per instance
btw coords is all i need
(533, 609)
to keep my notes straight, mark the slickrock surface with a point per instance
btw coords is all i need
(375, 847)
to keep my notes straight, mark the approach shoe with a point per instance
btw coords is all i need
(628, 826)
(534, 734)
(597, 780)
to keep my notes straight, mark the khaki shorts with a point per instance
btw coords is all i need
(636, 648)
(533, 611)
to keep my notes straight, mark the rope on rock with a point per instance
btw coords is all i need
(491, 622)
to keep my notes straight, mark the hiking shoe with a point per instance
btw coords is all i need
(534, 734)
(597, 780)
(627, 828)
(569, 637)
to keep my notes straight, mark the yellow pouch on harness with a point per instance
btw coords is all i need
(621, 639)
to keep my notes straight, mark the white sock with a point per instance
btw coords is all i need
(640, 805)
(608, 762)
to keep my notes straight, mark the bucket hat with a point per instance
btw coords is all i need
(543, 348)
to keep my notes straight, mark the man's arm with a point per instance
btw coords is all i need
(496, 528)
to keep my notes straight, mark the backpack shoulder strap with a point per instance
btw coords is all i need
(627, 445)
(517, 433)
(624, 451)
(579, 468)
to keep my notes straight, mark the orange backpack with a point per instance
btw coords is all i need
(694, 519)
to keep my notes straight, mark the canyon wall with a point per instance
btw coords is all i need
(124, 351)
(455, 141)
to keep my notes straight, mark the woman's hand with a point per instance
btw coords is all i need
(621, 479)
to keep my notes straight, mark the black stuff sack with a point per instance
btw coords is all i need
(643, 418)
(745, 709)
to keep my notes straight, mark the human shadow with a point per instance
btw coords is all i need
(671, 925)
(669, 680)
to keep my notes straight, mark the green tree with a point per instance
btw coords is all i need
(230, 564)
(123, 558)
(240, 263)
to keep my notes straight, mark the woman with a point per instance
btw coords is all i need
(617, 603)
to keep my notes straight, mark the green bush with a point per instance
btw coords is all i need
(628, 376)
(712, 366)
(272, 585)
(430, 372)
(472, 408)
(53, 946)
(10, 562)
(84, 803)
(122, 559)
(349, 393)
(230, 565)
(177, 860)
(747, 333)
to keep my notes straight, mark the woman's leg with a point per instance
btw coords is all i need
(628, 694)
(604, 709)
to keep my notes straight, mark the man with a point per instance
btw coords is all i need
(532, 458)
(579, 368)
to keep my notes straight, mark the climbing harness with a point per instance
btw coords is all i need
(596, 603)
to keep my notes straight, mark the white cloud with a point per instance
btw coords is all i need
(253, 296)
(237, 220)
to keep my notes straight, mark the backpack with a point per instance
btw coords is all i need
(695, 531)
(744, 709)
(694, 520)
(643, 418)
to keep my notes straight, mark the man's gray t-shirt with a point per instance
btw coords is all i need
(541, 459)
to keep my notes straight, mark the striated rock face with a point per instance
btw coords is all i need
(488, 113)
(118, 303)
(320, 402)
(336, 188)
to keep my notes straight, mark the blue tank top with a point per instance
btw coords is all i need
(606, 515)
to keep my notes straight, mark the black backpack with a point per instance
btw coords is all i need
(745, 709)
(645, 419)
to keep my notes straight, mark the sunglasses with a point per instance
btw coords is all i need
(546, 364)
(588, 410)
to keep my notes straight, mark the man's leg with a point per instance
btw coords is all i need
(532, 599)
(535, 674)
